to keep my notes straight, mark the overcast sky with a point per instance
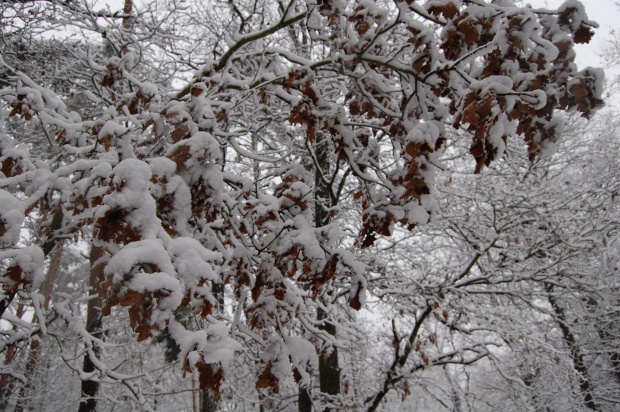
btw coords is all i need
(607, 14)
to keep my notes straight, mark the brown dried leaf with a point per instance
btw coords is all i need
(448, 11)
(419, 63)
(130, 298)
(583, 35)
(424, 358)
(10, 167)
(486, 105)
(471, 115)
(179, 133)
(578, 90)
(268, 380)
(211, 376)
(12, 279)
(179, 156)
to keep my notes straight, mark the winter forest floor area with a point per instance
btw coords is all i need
(307, 205)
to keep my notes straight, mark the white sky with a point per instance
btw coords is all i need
(607, 14)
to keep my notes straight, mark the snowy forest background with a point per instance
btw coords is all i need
(266, 205)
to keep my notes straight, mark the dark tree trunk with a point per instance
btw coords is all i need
(528, 380)
(576, 355)
(606, 332)
(210, 402)
(35, 346)
(7, 384)
(304, 403)
(329, 370)
(94, 322)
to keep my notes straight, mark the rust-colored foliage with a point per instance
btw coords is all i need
(13, 278)
(10, 167)
(210, 375)
(268, 380)
(448, 10)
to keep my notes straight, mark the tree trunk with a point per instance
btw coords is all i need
(528, 380)
(329, 370)
(576, 355)
(210, 402)
(35, 345)
(6, 383)
(94, 322)
(605, 331)
(304, 403)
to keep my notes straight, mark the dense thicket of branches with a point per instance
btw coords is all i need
(230, 191)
